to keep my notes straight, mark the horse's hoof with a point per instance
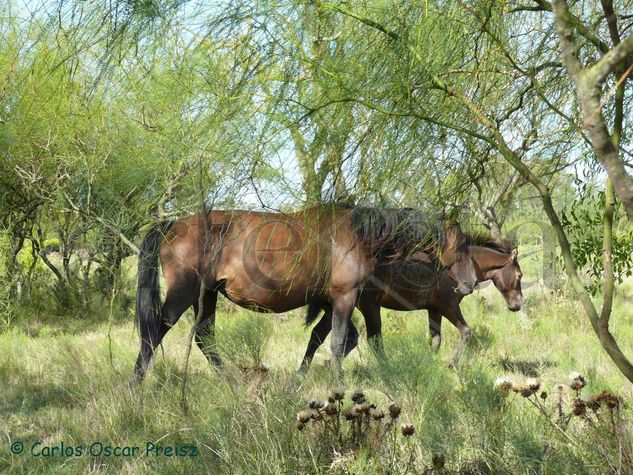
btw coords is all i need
(134, 381)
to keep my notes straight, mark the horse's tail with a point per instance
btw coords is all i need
(148, 313)
(314, 309)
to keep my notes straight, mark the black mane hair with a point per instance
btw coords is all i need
(397, 231)
(485, 239)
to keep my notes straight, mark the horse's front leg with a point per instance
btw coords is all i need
(435, 330)
(342, 307)
(454, 315)
(320, 332)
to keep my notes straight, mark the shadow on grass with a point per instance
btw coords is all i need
(37, 322)
(30, 397)
(532, 368)
(482, 338)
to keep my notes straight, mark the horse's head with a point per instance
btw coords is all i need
(458, 260)
(507, 280)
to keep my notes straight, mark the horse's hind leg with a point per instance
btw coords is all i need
(435, 329)
(205, 331)
(176, 302)
(369, 306)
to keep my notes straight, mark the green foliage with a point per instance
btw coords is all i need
(582, 220)
(51, 245)
(245, 340)
(5, 249)
(26, 259)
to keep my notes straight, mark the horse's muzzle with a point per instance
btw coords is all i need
(464, 289)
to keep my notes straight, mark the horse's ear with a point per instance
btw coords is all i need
(514, 254)
(455, 241)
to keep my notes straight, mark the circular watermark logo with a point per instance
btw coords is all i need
(17, 447)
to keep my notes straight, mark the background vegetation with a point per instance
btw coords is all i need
(511, 115)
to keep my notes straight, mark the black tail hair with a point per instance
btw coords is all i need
(148, 307)
(314, 310)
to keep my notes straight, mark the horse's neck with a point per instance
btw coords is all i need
(487, 261)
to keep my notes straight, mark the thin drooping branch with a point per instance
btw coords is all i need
(609, 205)
(497, 140)
(588, 83)
(546, 6)
(607, 251)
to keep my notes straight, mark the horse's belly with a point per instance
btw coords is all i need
(397, 299)
(266, 300)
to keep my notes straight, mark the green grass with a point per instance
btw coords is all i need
(66, 380)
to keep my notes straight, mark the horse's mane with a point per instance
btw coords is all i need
(485, 239)
(397, 231)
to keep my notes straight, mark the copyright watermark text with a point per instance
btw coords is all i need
(102, 449)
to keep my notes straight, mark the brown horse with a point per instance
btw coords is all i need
(414, 285)
(274, 262)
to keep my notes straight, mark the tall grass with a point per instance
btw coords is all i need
(67, 382)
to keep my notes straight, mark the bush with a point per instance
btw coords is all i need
(244, 339)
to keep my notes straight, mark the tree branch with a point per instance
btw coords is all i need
(615, 59)
(105, 224)
(497, 140)
(588, 84)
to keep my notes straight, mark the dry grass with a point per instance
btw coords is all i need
(61, 381)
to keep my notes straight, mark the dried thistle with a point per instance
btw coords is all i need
(534, 384)
(579, 407)
(316, 404)
(578, 381)
(407, 430)
(347, 414)
(316, 415)
(394, 410)
(356, 410)
(610, 400)
(503, 384)
(337, 394)
(525, 391)
(358, 397)
(304, 416)
(593, 402)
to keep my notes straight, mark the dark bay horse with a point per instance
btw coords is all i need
(413, 285)
(276, 262)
